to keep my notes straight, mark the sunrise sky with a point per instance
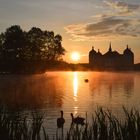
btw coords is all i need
(82, 23)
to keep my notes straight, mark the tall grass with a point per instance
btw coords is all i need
(14, 126)
(104, 126)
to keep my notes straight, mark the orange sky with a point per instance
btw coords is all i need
(82, 23)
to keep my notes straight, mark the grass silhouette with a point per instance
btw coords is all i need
(104, 126)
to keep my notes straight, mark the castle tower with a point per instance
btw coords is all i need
(92, 55)
(128, 57)
(110, 48)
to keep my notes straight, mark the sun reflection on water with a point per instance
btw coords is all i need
(75, 110)
(75, 85)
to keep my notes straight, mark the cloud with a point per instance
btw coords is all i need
(106, 27)
(122, 7)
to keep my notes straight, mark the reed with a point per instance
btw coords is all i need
(104, 126)
(14, 126)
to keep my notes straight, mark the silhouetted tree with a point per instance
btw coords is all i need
(13, 42)
(1, 46)
(53, 48)
(19, 48)
(35, 42)
(44, 45)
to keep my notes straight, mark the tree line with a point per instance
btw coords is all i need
(29, 50)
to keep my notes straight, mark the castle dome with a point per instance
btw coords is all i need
(92, 52)
(128, 51)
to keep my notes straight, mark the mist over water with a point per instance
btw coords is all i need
(68, 91)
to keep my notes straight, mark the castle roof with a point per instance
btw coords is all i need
(110, 53)
(128, 51)
(98, 53)
(115, 53)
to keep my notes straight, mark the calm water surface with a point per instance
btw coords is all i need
(68, 91)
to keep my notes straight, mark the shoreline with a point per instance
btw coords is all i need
(68, 70)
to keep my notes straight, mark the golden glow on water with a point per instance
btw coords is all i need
(69, 92)
(75, 85)
(75, 110)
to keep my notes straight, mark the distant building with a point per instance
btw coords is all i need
(111, 59)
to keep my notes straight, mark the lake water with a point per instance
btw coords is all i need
(68, 91)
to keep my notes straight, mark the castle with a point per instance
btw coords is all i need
(111, 59)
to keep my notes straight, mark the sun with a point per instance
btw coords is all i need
(75, 56)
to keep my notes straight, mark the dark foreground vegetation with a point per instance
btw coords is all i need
(104, 126)
(29, 51)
